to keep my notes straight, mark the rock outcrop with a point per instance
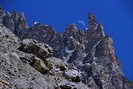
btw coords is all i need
(38, 57)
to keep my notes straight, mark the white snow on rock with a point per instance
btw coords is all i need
(72, 73)
(68, 51)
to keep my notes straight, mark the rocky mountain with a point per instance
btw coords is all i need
(38, 57)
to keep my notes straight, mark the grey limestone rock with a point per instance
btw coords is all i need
(38, 57)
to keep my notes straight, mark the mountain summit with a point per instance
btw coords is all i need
(38, 57)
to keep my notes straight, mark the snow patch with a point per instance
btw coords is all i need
(69, 51)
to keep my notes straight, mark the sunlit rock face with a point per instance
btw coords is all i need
(38, 57)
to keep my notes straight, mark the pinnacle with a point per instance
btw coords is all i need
(92, 21)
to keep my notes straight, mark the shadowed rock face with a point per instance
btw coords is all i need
(40, 58)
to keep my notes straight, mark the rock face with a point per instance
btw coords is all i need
(38, 57)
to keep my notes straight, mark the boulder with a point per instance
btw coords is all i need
(39, 65)
(73, 75)
(55, 63)
(40, 50)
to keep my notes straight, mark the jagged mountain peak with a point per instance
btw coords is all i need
(38, 57)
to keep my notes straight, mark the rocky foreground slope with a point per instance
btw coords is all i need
(38, 57)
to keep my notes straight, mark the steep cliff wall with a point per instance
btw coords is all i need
(38, 57)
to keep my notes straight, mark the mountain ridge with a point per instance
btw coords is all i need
(38, 57)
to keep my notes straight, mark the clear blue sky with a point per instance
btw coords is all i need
(115, 15)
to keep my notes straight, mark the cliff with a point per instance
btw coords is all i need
(38, 57)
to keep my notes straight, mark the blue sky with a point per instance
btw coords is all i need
(115, 15)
